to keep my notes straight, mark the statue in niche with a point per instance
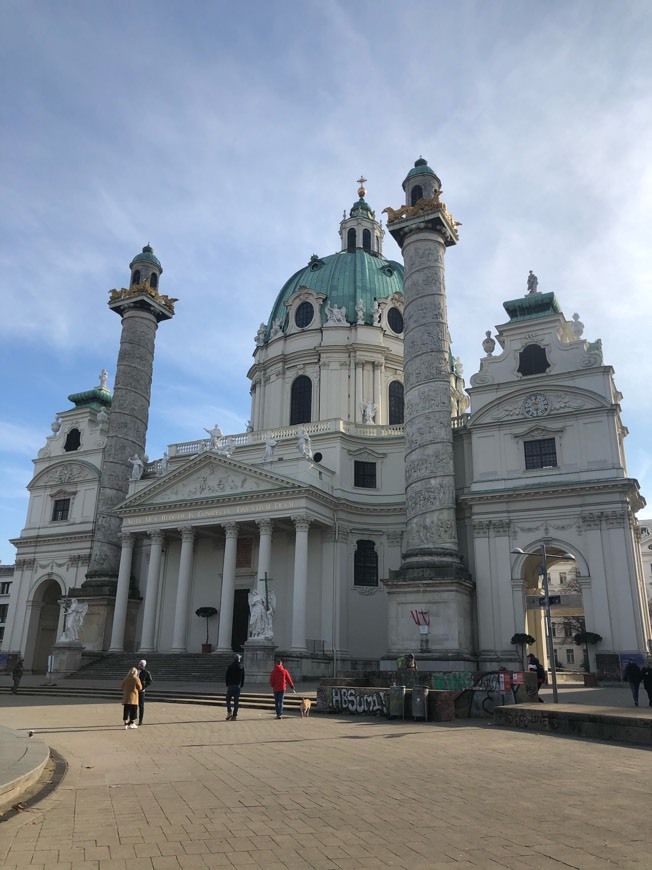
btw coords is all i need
(216, 436)
(303, 443)
(260, 335)
(577, 326)
(376, 313)
(137, 467)
(73, 618)
(359, 310)
(532, 283)
(260, 616)
(368, 412)
(270, 446)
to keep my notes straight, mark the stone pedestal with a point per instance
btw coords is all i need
(66, 658)
(258, 660)
(448, 600)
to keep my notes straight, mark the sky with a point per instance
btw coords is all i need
(230, 137)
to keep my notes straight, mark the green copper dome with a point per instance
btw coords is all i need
(344, 278)
(147, 256)
(420, 168)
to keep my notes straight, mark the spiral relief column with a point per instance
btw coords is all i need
(432, 578)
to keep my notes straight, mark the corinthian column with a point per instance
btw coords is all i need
(122, 594)
(151, 592)
(228, 588)
(179, 635)
(300, 586)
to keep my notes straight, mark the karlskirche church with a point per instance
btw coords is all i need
(373, 506)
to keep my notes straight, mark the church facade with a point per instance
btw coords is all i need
(306, 510)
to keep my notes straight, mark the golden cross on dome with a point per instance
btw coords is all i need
(361, 190)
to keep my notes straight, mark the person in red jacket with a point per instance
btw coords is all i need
(279, 680)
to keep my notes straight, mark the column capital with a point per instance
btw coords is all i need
(187, 534)
(127, 539)
(265, 526)
(230, 530)
(301, 522)
(157, 537)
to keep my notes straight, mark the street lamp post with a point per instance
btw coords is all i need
(550, 650)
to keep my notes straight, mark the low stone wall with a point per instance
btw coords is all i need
(578, 723)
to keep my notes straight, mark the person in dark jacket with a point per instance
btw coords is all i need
(534, 665)
(646, 674)
(279, 680)
(632, 675)
(17, 675)
(145, 678)
(234, 679)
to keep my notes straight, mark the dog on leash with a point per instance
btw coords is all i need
(306, 704)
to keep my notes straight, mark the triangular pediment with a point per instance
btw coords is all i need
(207, 478)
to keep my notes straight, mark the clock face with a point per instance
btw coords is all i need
(536, 405)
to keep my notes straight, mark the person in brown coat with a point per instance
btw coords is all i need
(131, 685)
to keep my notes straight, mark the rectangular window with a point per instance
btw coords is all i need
(554, 630)
(562, 578)
(568, 631)
(541, 453)
(2, 633)
(365, 564)
(570, 656)
(5, 588)
(364, 474)
(61, 509)
(3, 612)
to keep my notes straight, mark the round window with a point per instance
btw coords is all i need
(395, 320)
(304, 314)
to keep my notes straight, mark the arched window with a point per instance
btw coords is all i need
(135, 278)
(301, 400)
(366, 240)
(365, 564)
(532, 360)
(73, 441)
(416, 194)
(153, 280)
(351, 240)
(396, 407)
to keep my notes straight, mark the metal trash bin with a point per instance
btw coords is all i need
(420, 702)
(397, 702)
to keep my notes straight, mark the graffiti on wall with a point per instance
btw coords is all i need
(358, 700)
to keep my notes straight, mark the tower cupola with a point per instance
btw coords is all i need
(145, 268)
(421, 182)
(360, 231)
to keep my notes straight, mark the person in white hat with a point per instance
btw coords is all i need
(145, 678)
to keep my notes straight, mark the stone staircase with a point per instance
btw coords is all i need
(164, 667)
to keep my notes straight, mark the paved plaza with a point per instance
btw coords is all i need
(192, 790)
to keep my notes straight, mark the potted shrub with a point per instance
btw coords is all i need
(206, 613)
(520, 641)
(584, 638)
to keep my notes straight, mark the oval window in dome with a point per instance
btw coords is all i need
(395, 320)
(304, 314)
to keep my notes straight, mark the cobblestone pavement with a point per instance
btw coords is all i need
(192, 790)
